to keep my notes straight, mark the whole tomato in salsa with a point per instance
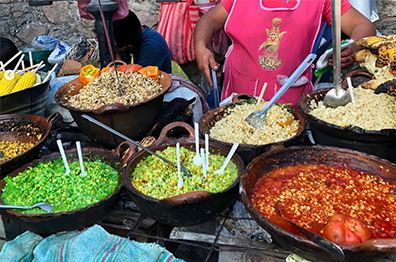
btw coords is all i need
(345, 230)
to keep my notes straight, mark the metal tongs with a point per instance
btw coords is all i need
(258, 119)
(336, 96)
(183, 169)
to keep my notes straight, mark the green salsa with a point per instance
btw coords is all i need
(155, 178)
(47, 182)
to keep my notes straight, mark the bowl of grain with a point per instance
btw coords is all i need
(132, 112)
(226, 125)
(369, 125)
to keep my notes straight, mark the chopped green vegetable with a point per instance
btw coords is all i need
(47, 182)
(155, 178)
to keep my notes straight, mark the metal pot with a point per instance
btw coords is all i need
(246, 151)
(79, 218)
(381, 143)
(133, 121)
(28, 101)
(6, 134)
(186, 209)
(281, 157)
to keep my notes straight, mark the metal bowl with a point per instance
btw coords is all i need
(133, 121)
(186, 209)
(28, 101)
(7, 134)
(79, 218)
(247, 151)
(381, 143)
(281, 157)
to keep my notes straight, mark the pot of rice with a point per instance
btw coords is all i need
(369, 125)
(226, 125)
(133, 113)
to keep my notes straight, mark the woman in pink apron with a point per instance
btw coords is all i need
(270, 38)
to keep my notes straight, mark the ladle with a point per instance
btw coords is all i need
(43, 205)
(184, 169)
(258, 119)
(215, 89)
(337, 96)
(328, 246)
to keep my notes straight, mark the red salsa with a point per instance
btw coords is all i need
(314, 196)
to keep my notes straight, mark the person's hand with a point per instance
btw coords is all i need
(206, 62)
(347, 59)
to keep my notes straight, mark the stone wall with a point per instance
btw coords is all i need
(21, 22)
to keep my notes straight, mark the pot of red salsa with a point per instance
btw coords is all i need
(345, 196)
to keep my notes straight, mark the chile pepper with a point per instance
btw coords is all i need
(107, 69)
(150, 71)
(88, 73)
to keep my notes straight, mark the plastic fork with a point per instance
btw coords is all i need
(180, 181)
(197, 158)
(80, 158)
(228, 158)
(43, 205)
(62, 151)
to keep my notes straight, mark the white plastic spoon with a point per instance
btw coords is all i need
(180, 182)
(203, 162)
(228, 158)
(80, 158)
(207, 151)
(60, 146)
(197, 158)
(350, 87)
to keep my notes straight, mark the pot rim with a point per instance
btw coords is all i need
(376, 244)
(304, 101)
(108, 108)
(178, 201)
(207, 117)
(46, 216)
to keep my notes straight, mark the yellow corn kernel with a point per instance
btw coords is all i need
(27, 80)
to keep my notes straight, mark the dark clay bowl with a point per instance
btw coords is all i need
(281, 157)
(79, 218)
(246, 151)
(190, 208)
(133, 121)
(6, 134)
(381, 143)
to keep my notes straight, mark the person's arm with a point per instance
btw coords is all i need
(207, 26)
(356, 26)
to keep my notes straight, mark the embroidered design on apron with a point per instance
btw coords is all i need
(270, 60)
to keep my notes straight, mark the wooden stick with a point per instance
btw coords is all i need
(19, 62)
(23, 64)
(49, 73)
(30, 58)
(32, 67)
(262, 93)
(2, 67)
(40, 65)
(12, 59)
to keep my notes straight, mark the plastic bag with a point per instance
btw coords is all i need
(58, 48)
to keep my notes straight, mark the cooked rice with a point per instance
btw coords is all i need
(233, 128)
(370, 111)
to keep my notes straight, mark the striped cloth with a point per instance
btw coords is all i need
(176, 24)
(91, 245)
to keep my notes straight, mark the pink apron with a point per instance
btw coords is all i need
(268, 42)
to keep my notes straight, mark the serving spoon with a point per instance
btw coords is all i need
(43, 205)
(337, 96)
(328, 246)
(258, 119)
(183, 169)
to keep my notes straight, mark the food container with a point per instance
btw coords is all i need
(381, 143)
(133, 121)
(28, 101)
(186, 209)
(331, 156)
(246, 151)
(79, 218)
(44, 124)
